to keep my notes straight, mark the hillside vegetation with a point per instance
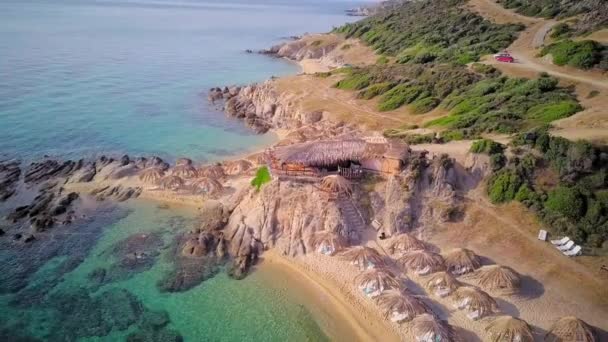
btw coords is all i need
(432, 31)
(564, 182)
(584, 54)
(591, 15)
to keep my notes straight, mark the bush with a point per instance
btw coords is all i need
(354, 81)
(560, 30)
(546, 113)
(565, 201)
(503, 186)
(398, 96)
(487, 146)
(382, 60)
(584, 54)
(485, 69)
(374, 90)
(425, 105)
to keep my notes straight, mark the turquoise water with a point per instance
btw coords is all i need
(84, 78)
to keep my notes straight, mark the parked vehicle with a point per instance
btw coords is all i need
(504, 57)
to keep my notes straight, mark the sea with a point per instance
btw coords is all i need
(84, 78)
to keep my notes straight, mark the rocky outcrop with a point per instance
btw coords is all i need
(9, 177)
(117, 193)
(304, 48)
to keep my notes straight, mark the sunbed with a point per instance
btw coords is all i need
(542, 235)
(574, 251)
(560, 241)
(566, 247)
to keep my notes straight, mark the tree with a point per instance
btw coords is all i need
(262, 176)
(565, 201)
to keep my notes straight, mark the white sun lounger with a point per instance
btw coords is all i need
(566, 247)
(398, 317)
(560, 241)
(423, 271)
(574, 251)
(542, 235)
(442, 292)
(474, 315)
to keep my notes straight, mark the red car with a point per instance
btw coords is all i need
(504, 57)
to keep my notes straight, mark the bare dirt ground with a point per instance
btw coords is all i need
(592, 121)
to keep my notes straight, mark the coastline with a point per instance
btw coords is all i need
(342, 316)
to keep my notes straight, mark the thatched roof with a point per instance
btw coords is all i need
(405, 243)
(211, 171)
(460, 261)
(332, 152)
(237, 167)
(334, 241)
(396, 301)
(171, 183)
(475, 300)
(378, 279)
(183, 161)
(184, 171)
(570, 329)
(422, 262)
(362, 256)
(498, 278)
(427, 328)
(443, 282)
(151, 175)
(336, 184)
(507, 328)
(206, 185)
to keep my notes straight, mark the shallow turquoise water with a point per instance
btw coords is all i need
(84, 78)
(89, 77)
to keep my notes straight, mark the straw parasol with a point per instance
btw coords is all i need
(400, 306)
(206, 185)
(570, 329)
(377, 280)
(507, 328)
(327, 242)
(362, 256)
(183, 161)
(422, 262)
(151, 175)
(184, 171)
(498, 278)
(442, 283)
(405, 243)
(461, 260)
(336, 184)
(237, 167)
(171, 183)
(211, 171)
(478, 303)
(427, 328)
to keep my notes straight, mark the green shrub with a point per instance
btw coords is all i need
(560, 30)
(524, 193)
(565, 201)
(374, 90)
(503, 186)
(354, 81)
(580, 54)
(545, 113)
(487, 146)
(425, 105)
(382, 60)
(398, 96)
(485, 69)
(262, 176)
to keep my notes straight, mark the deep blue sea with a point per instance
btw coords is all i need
(90, 77)
(84, 77)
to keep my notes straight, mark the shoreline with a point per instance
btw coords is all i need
(325, 300)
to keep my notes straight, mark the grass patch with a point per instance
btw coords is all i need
(546, 113)
(354, 82)
(375, 90)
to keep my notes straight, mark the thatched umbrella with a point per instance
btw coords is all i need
(399, 306)
(499, 278)
(336, 184)
(171, 183)
(206, 185)
(509, 329)
(427, 328)
(183, 161)
(405, 243)
(478, 303)
(373, 282)
(461, 260)
(184, 171)
(327, 242)
(570, 329)
(442, 284)
(422, 262)
(151, 175)
(211, 171)
(237, 167)
(362, 256)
